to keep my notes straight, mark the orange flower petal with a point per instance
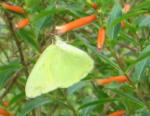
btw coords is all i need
(4, 112)
(100, 38)
(94, 5)
(123, 24)
(5, 103)
(126, 8)
(117, 113)
(75, 24)
(118, 79)
(22, 23)
(13, 8)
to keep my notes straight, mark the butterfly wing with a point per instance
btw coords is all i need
(60, 65)
(74, 64)
(41, 78)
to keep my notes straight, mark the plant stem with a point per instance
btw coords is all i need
(131, 83)
(121, 67)
(55, 106)
(75, 113)
(12, 82)
(18, 44)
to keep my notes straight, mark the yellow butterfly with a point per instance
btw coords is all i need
(60, 66)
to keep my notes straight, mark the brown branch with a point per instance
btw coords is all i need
(121, 67)
(25, 68)
(53, 109)
(129, 47)
(12, 82)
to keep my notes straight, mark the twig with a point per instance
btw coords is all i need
(18, 44)
(121, 67)
(129, 47)
(8, 19)
(75, 113)
(12, 82)
(53, 110)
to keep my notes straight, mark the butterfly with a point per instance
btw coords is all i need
(60, 66)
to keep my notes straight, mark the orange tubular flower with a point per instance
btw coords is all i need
(118, 79)
(22, 23)
(4, 112)
(13, 8)
(126, 8)
(123, 24)
(94, 5)
(117, 113)
(100, 38)
(75, 24)
(5, 103)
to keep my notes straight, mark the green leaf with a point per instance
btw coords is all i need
(87, 111)
(129, 96)
(137, 10)
(145, 113)
(139, 69)
(130, 106)
(34, 103)
(76, 87)
(13, 65)
(17, 98)
(99, 55)
(28, 37)
(100, 101)
(7, 70)
(114, 85)
(141, 5)
(43, 19)
(144, 56)
(145, 21)
(113, 30)
(143, 63)
(32, 5)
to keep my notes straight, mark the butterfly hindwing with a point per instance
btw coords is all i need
(40, 79)
(60, 66)
(75, 64)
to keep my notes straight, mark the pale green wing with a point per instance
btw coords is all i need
(60, 65)
(41, 78)
(74, 64)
